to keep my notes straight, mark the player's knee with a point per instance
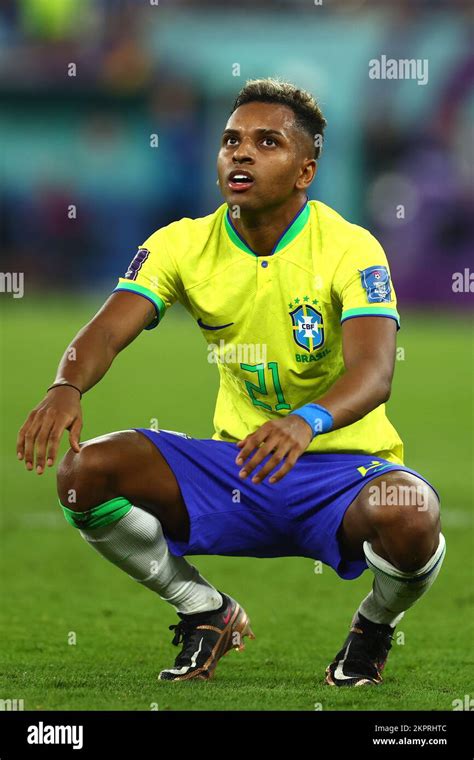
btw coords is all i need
(418, 545)
(79, 474)
(408, 520)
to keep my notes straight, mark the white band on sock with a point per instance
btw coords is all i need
(395, 591)
(389, 569)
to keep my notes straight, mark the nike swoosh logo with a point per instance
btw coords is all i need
(212, 327)
(339, 673)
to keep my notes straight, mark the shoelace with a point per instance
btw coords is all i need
(181, 631)
(187, 634)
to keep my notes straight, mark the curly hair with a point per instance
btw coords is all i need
(308, 115)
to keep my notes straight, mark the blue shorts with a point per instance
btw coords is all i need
(296, 517)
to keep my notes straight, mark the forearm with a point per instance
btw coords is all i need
(87, 358)
(357, 392)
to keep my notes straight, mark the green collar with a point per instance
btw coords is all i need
(293, 229)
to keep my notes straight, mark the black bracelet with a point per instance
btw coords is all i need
(58, 385)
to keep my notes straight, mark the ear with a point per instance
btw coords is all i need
(307, 174)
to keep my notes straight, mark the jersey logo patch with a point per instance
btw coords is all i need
(376, 281)
(136, 264)
(308, 329)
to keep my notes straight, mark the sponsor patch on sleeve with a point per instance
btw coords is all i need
(376, 282)
(136, 263)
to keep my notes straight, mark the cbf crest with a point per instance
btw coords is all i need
(307, 323)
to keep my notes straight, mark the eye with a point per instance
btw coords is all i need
(227, 140)
(270, 139)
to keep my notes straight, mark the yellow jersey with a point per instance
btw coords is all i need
(273, 323)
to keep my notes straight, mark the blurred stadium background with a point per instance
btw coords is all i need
(169, 69)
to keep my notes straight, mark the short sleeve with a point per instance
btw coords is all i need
(152, 273)
(362, 281)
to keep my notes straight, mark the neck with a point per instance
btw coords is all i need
(263, 229)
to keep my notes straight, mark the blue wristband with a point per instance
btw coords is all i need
(317, 417)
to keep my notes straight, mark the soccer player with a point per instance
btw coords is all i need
(303, 461)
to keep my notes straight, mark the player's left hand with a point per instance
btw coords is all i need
(288, 438)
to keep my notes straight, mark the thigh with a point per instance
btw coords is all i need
(398, 501)
(125, 463)
(228, 516)
(328, 500)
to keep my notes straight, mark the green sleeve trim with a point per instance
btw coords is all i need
(134, 287)
(363, 311)
(97, 517)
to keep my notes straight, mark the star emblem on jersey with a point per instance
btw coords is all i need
(307, 324)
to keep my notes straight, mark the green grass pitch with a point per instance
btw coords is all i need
(53, 584)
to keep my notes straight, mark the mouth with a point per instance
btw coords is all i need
(240, 180)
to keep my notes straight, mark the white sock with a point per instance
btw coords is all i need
(393, 591)
(136, 544)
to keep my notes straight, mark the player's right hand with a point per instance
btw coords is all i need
(41, 433)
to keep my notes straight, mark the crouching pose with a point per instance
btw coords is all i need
(303, 461)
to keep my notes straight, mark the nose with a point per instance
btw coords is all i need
(244, 152)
